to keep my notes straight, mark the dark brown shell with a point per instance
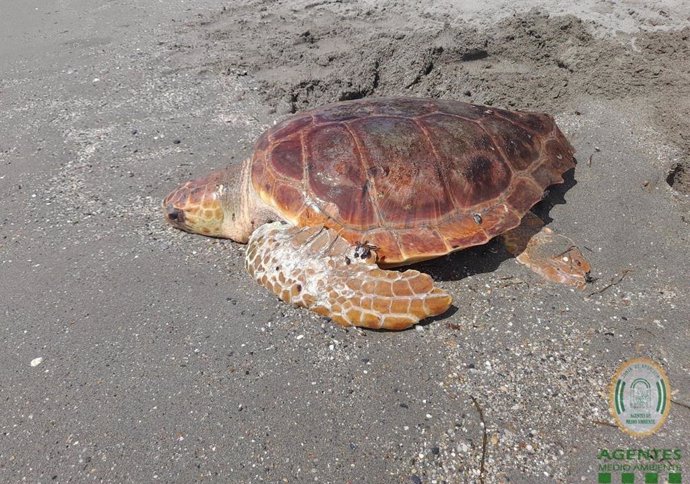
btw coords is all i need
(418, 178)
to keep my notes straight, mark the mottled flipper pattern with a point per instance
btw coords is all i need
(547, 253)
(314, 268)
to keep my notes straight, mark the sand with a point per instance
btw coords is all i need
(131, 352)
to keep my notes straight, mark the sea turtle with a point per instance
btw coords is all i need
(335, 196)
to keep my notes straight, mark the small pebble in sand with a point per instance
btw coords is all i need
(36, 361)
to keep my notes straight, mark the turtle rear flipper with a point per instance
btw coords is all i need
(551, 255)
(315, 268)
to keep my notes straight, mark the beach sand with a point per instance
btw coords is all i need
(131, 352)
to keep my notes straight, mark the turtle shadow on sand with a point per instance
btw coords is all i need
(486, 258)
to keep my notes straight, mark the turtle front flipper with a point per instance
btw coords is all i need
(315, 268)
(551, 255)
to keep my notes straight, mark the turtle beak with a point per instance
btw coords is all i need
(174, 215)
(174, 207)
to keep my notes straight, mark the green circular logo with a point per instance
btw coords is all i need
(640, 397)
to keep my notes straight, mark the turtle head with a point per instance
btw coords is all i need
(222, 204)
(198, 205)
